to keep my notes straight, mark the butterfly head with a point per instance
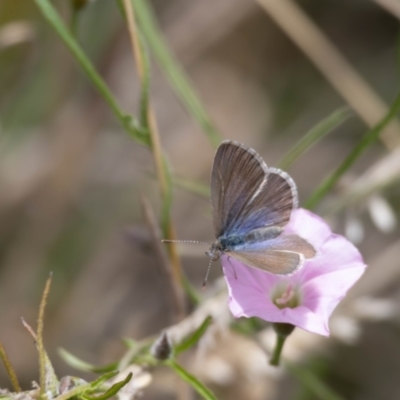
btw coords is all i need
(215, 251)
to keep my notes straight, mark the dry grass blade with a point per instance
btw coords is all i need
(43, 360)
(10, 370)
(140, 63)
(331, 63)
(161, 169)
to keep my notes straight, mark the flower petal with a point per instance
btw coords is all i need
(309, 226)
(321, 283)
(337, 253)
(248, 288)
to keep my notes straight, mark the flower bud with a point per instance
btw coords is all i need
(162, 347)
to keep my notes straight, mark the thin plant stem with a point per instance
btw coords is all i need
(39, 338)
(128, 122)
(179, 81)
(159, 161)
(153, 128)
(333, 65)
(176, 292)
(10, 370)
(314, 135)
(276, 355)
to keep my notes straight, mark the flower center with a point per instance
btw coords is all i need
(286, 296)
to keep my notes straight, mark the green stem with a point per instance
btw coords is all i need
(316, 133)
(127, 121)
(173, 70)
(276, 355)
(370, 137)
(282, 330)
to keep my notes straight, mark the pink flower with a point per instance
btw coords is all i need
(307, 297)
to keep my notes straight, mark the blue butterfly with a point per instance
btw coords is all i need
(251, 204)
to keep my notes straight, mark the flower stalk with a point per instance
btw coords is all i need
(282, 332)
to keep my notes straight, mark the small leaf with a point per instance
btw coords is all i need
(81, 365)
(89, 388)
(76, 391)
(191, 380)
(100, 380)
(48, 380)
(193, 339)
(326, 126)
(112, 391)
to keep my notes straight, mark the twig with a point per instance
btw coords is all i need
(332, 64)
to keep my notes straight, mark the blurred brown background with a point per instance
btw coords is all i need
(70, 179)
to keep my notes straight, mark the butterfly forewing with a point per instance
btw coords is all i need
(235, 177)
(246, 194)
(272, 205)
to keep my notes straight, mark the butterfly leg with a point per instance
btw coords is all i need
(234, 271)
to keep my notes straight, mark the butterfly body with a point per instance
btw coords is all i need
(225, 244)
(251, 205)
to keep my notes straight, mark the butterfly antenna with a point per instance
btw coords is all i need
(183, 241)
(207, 273)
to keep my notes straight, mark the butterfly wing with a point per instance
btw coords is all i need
(281, 255)
(246, 194)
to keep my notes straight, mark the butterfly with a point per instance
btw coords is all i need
(251, 204)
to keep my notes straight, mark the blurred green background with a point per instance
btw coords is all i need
(71, 180)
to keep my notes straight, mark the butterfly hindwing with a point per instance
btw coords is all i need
(281, 255)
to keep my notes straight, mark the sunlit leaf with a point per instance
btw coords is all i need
(193, 339)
